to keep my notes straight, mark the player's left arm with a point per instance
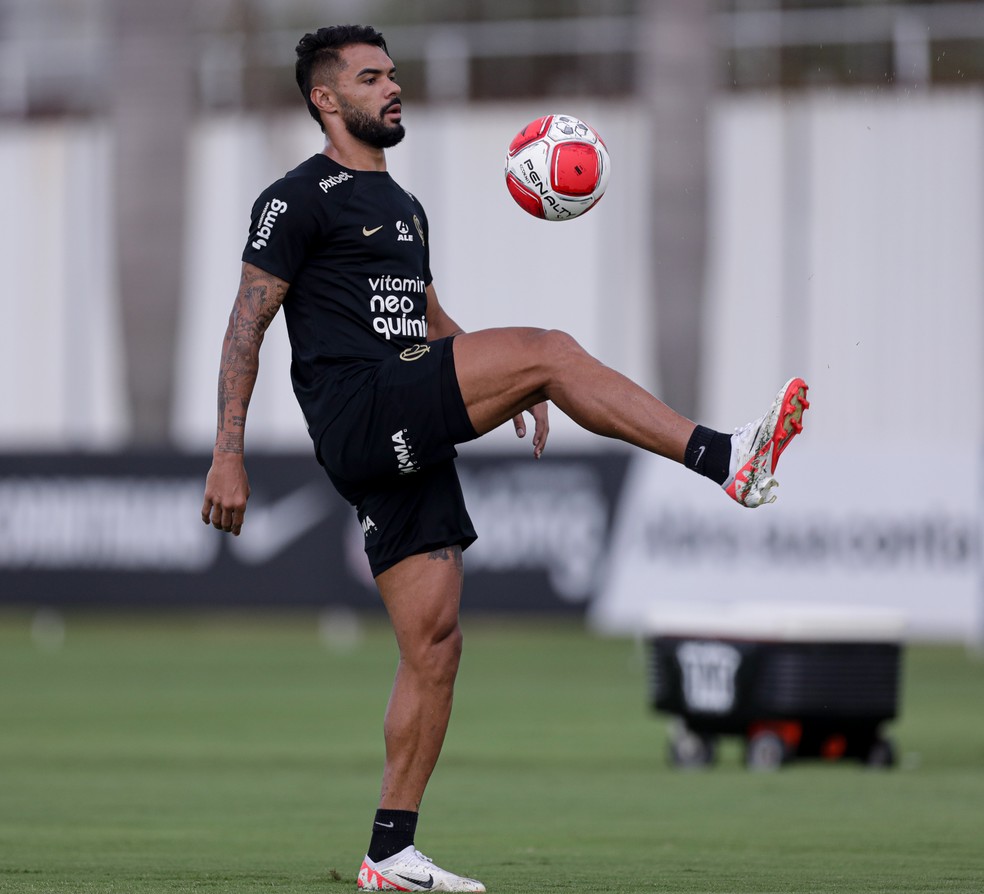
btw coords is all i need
(440, 325)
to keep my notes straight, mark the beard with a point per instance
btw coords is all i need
(373, 131)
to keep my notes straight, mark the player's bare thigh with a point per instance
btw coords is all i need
(502, 372)
(422, 594)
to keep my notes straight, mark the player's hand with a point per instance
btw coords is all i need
(541, 427)
(226, 493)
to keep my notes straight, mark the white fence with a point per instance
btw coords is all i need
(845, 245)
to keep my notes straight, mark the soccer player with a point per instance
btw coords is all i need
(389, 384)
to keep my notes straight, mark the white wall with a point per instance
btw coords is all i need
(61, 352)
(845, 245)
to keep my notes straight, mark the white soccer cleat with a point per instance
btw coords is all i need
(410, 870)
(755, 448)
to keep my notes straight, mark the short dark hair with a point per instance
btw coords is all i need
(318, 52)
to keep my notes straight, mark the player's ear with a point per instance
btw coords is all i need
(324, 99)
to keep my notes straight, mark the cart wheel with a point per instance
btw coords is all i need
(765, 751)
(690, 750)
(881, 754)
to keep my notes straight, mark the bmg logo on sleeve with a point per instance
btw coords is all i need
(268, 217)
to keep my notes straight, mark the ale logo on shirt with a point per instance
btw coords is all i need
(404, 230)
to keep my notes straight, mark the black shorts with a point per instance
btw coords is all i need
(390, 452)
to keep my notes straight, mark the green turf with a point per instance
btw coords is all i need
(172, 755)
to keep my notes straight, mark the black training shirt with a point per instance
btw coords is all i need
(353, 246)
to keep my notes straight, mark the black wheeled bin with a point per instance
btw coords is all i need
(792, 682)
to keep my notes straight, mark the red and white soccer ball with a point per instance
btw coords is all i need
(557, 167)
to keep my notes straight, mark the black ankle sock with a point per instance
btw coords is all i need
(709, 454)
(392, 831)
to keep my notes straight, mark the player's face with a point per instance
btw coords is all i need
(369, 97)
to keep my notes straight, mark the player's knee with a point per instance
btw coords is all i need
(558, 342)
(437, 659)
(558, 348)
(449, 652)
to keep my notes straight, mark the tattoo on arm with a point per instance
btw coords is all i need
(259, 298)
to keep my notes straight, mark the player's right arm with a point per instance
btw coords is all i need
(227, 487)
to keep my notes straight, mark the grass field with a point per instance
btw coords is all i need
(243, 755)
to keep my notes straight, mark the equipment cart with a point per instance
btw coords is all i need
(792, 681)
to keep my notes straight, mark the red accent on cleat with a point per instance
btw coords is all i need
(756, 447)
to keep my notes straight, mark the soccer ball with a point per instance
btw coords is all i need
(557, 167)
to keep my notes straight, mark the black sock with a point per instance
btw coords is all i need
(709, 454)
(392, 831)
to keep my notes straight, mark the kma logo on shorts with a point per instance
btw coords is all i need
(406, 463)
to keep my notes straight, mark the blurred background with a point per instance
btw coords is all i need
(797, 189)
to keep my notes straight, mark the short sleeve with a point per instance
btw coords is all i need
(425, 238)
(284, 225)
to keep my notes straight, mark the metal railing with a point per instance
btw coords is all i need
(70, 73)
